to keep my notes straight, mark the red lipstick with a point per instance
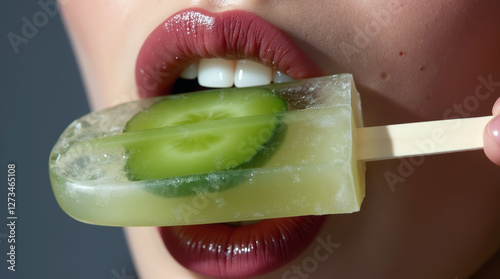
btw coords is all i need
(225, 251)
(222, 250)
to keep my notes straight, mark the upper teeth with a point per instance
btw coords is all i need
(218, 73)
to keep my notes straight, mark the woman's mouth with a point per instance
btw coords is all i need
(221, 50)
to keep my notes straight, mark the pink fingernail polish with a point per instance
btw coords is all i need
(494, 129)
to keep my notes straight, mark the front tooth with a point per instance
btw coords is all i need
(191, 72)
(250, 73)
(280, 77)
(216, 72)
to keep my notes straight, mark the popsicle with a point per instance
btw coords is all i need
(230, 155)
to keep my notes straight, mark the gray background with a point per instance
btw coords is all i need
(41, 93)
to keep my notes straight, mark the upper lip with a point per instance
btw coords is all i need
(192, 34)
(188, 36)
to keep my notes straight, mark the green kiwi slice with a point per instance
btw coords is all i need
(204, 132)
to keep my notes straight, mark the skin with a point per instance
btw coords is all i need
(427, 57)
(492, 136)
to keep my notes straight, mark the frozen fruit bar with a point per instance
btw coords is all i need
(215, 156)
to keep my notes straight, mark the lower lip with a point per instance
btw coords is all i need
(225, 251)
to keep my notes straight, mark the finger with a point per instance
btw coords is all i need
(492, 136)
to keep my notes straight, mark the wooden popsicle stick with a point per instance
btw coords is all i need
(420, 138)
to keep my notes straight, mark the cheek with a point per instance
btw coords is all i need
(106, 36)
(414, 60)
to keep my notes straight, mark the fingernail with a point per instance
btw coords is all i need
(494, 129)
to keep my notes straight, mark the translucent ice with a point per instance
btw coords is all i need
(314, 171)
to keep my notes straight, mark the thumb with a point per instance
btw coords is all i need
(492, 136)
